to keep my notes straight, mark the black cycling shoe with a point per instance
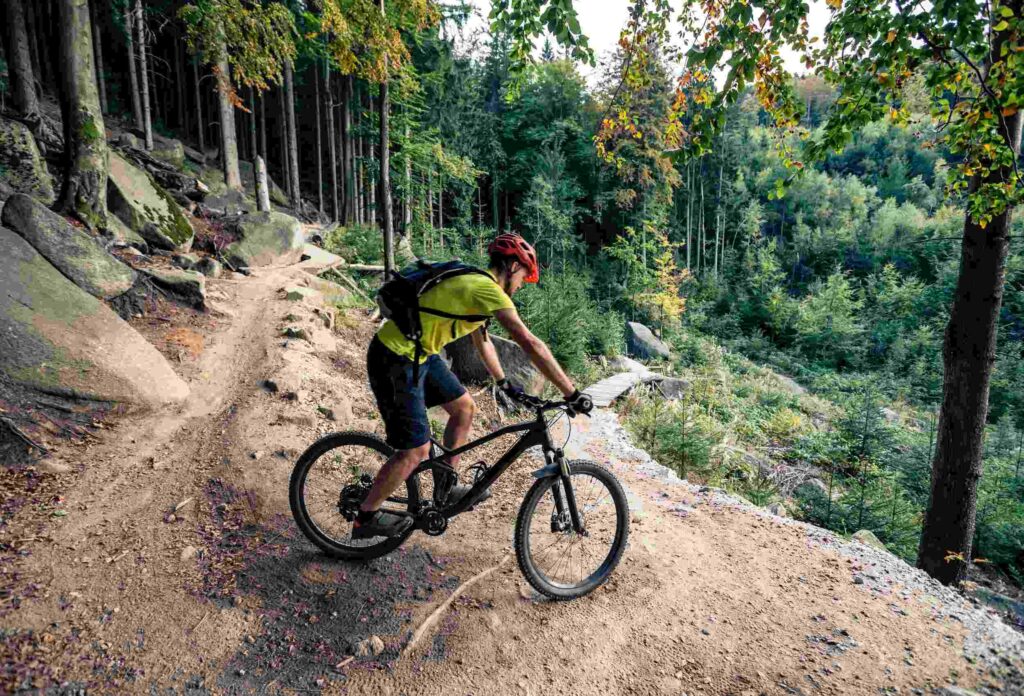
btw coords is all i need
(382, 524)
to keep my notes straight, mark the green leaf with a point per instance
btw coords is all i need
(1005, 11)
(1002, 25)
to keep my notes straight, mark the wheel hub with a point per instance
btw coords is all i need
(352, 497)
(433, 522)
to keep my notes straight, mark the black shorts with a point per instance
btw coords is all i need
(402, 403)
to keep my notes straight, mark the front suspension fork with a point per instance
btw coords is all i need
(565, 497)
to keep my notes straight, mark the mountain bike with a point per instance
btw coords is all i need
(570, 532)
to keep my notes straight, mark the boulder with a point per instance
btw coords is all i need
(129, 140)
(134, 197)
(264, 239)
(790, 385)
(22, 167)
(169, 150)
(73, 252)
(868, 538)
(624, 364)
(672, 388)
(643, 344)
(57, 339)
(467, 366)
(778, 509)
(185, 261)
(209, 267)
(187, 287)
(276, 194)
(122, 233)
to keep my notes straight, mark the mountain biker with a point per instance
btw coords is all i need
(403, 402)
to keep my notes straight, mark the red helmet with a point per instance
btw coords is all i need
(513, 245)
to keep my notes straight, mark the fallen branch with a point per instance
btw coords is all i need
(435, 615)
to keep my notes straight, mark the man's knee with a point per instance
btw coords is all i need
(409, 459)
(464, 408)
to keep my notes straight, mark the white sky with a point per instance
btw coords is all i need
(602, 20)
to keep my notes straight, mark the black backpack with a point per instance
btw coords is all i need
(399, 299)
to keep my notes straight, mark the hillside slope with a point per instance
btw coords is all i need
(160, 555)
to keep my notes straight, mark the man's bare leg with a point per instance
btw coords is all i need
(394, 472)
(460, 421)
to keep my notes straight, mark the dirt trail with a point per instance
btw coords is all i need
(170, 565)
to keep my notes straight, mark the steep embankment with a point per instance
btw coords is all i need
(162, 555)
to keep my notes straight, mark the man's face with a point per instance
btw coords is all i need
(517, 273)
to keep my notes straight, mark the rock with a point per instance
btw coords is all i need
(890, 416)
(270, 385)
(185, 261)
(188, 553)
(169, 150)
(144, 207)
(21, 164)
(50, 466)
(122, 233)
(58, 339)
(339, 413)
(305, 420)
(73, 252)
(293, 332)
(315, 257)
(129, 140)
(1014, 608)
(778, 509)
(867, 537)
(467, 366)
(209, 267)
(326, 315)
(265, 239)
(229, 203)
(194, 155)
(187, 287)
(371, 647)
(276, 194)
(643, 344)
(297, 294)
(404, 255)
(672, 388)
(955, 691)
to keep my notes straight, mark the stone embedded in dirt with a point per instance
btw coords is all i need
(185, 261)
(297, 294)
(75, 253)
(134, 197)
(256, 455)
(52, 466)
(778, 509)
(371, 647)
(305, 420)
(293, 332)
(326, 315)
(266, 238)
(340, 412)
(209, 267)
(868, 538)
(188, 553)
(24, 169)
(58, 339)
(642, 343)
(187, 287)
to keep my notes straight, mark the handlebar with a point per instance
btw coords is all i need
(542, 405)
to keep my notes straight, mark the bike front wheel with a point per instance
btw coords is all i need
(558, 562)
(330, 482)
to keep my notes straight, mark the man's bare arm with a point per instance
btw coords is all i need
(540, 354)
(488, 354)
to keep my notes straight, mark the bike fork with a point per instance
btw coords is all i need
(565, 498)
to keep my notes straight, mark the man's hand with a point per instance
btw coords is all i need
(579, 403)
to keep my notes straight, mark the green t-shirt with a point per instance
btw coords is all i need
(471, 293)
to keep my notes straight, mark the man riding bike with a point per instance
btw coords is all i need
(404, 393)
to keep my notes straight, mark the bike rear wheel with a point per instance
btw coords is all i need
(329, 482)
(558, 562)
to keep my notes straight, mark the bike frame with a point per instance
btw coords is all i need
(535, 433)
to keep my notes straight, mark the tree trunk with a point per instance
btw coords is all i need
(348, 155)
(430, 198)
(293, 140)
(371, 207)
(133, 75)
(358, 141)
(407, 202)
(228, 137)
(385, 177)
(97, 47)
(969, 351)
(283, 143)
(253, 151)
(199, 109)
(47, 30)
(33, 49)
(84, 192)
(147, 116)
(19, 58)
(179, 84)
(332, 142)
(319, 144)
(263, 128)
(689, 211)
(495, 194)
(259, 169)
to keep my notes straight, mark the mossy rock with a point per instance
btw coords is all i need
(169, 150)
(187, 287)
(277, 195)
(22, 167)
(868, 538)
(264, 239)
(122, 233)
(58, 340)
(74, 253)
(134, 197)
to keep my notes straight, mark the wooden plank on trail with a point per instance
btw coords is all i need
(608, 390)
